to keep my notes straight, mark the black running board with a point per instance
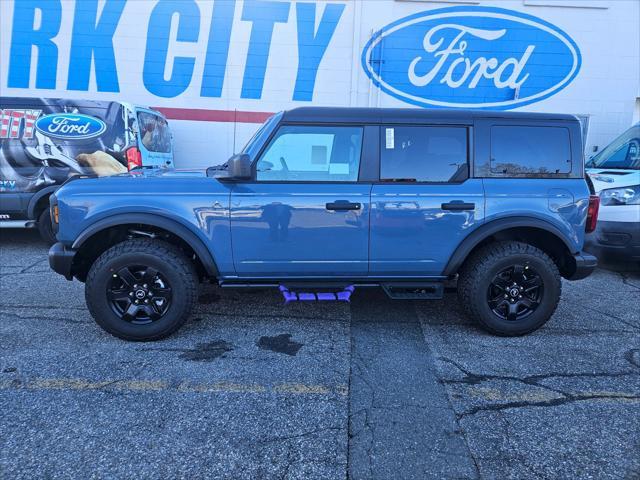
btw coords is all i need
(414, 290)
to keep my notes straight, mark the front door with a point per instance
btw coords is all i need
(305, 214)
(425, 203)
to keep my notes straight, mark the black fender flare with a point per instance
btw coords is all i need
(154, 220)
(33, 201)
(494, 226)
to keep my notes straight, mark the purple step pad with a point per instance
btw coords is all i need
(342, 296)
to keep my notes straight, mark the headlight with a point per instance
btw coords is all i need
(620, 196)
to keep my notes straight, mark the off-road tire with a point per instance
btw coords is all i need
(479, 270)
(45, 228)
(162, 256)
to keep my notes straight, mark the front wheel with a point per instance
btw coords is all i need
(510, 288)
(141, 289)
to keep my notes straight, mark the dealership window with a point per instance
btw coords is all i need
(530, 151)
(154, 132)
(312, 154)
(423, 154)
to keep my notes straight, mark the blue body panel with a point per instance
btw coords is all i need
(286, 230)
(411, 235)
(195, 201)
(562, 203)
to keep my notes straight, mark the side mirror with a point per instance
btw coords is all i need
(238, 167)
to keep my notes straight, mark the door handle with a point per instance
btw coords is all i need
(343, 205)
(458, 205)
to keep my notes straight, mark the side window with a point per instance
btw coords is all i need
(313, 154)
(423, 154)
(154, 132)
(530, 151)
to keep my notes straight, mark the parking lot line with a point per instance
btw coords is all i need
(161, 385)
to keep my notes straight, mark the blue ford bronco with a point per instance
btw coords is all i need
(323, 201)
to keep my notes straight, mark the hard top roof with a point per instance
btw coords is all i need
(407, 115)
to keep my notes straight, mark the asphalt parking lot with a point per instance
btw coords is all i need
(250, 388)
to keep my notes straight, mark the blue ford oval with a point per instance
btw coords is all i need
(471, 57)
(71, 126)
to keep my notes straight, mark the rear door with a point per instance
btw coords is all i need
(424, 203)
(305, 214)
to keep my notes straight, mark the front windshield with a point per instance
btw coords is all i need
(622, 153)
(253, 138)
(255, 141)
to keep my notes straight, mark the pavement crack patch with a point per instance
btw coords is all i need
(633, 357)
(532, 380)
(42, 318)
(43, 307)
(606, 314)
(568, 398)
(26, 269)
(626, 279)
(350, 412)
(310, 433)
(518, 454)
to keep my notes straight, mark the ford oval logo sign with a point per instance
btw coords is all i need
(71, 126)
(471, 57)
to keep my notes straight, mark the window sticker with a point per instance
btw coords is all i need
(318, 155)
(390, 139)
(339, 169)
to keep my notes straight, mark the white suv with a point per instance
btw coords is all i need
(615, 173)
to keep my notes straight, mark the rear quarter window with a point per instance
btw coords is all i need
(530, 151)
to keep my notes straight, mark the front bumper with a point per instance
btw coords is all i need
(615, 240)
(61, 259)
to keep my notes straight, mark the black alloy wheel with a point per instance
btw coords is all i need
(141, 289)
(139, 294)
(515, 292)
(509, 287)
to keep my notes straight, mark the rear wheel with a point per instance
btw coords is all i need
(141, 289)
(45, 228)
(510, 288)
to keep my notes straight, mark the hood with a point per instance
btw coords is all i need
(143, 182)
(170, 172)
(604, 178)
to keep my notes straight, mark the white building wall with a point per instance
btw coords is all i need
(605, 89)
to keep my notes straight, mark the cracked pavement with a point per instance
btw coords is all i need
(377, 389)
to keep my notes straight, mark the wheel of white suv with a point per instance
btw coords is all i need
(45, 228)
(510, 288)
(141, 289)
